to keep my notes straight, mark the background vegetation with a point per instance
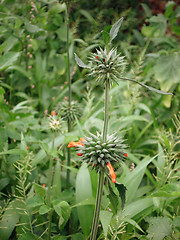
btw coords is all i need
(33, 82)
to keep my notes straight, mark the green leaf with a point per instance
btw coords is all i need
(1, 94)
(113, 198)
(77, 236)
(34, 201)
(176, 30)
(106, 37)
(137, 207)
(159, 228)
(14, 152)
(57, 8)
(56, 189)
(167, 70)
(143, 85)
(8, 59)
(169, 190)
(44, 209)
(115, 29)
(105, 218)
(80, 62)
(8, 44)
(84, 191)
(122, 193)
(32, 28)
(39, 190)
(26, 236)
(146, 9)
(19, 69)
(88, 16)
(64, 211)
(132, 222)
(9, 220)
(4, 182)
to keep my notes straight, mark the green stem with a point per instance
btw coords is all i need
(98, 205)
(49, 189)
(69, 93)
(106, 112)
(101, 173)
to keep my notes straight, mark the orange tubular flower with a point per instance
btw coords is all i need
(76, 144)
(112, 173)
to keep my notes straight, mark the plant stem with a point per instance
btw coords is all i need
(98, 205)
(106, 112)
(49, 189)
(101, 173)
(69, 92)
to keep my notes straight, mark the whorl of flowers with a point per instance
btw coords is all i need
(69, 113)
(106, 65)
(100, 154)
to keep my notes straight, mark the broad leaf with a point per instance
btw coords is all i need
(115, 28)
(44, 209)
(143, 85)
(167, 70)
(80, 62)
(8, 59)
(159, 228)
(83, 192)
(122, 193)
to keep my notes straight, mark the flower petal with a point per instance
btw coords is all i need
(112, 173)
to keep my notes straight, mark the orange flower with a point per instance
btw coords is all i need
(76, 144)
(112, 173)
(53, 113)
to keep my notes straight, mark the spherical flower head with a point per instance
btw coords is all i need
(100, 154)
(106, 65)
(54, 123)
(69, 113)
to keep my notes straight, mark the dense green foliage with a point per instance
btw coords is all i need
(34, 83)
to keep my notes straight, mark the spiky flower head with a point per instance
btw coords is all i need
(98, 153)
(69, 113)
(106, 65)
(55, 122)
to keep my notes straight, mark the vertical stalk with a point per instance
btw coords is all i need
(98, 205)
(69, 91)
(49, 189)
(106, 111)
(101, 173)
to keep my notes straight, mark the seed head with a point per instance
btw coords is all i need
(106, 65)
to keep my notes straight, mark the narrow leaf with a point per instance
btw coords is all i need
(80, 62)
(115, 28)
(105, 218)
(113, 198)
(143, 85)
(122, 193)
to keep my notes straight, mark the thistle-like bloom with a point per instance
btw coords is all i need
(69, 113)
(54, 123)
(101, 154)
(106, 65)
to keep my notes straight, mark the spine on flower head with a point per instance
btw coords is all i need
(112, 173)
